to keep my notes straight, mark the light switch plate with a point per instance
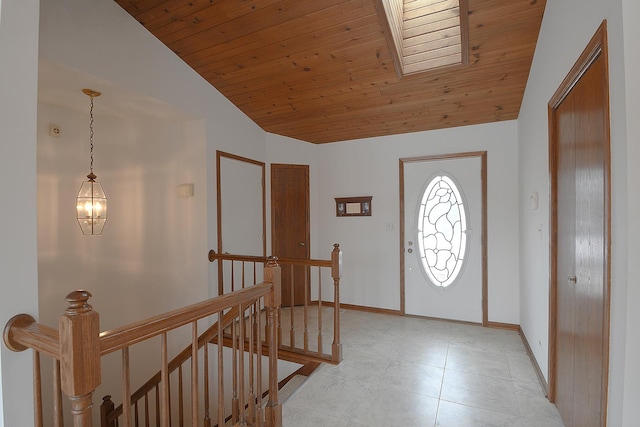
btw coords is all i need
(184, 190)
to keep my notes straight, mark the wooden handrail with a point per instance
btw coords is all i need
(251, 258)
(78, 345)
(213, 256)
(182, 357)
(22, 332)
(291, 349)
(119, 338)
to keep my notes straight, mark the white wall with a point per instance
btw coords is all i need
(153, 254)
(567, 27)
(631, 409)
(371, 252)
(99, 38)
(151, 244)
(286, 150)
(147, 261)
(18, 264)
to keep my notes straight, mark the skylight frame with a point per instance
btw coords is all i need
(426, 35)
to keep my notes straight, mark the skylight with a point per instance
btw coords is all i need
(427, 34)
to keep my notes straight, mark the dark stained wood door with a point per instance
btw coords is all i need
(290, 226)
(580, 141)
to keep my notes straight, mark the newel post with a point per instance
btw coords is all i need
(336, 274)
(273, 410)
(79, 329)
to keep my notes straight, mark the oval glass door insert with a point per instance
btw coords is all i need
(442, 226)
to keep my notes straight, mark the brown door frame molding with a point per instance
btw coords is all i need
(296, 280)
(219, 156)
(596, 48)
(483, 159)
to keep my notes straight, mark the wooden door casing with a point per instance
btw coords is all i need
(464, 300)
(580, 239)
(290, 228)
(238, 211)
(482, 155)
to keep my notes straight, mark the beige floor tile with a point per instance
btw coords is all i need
(408, 371)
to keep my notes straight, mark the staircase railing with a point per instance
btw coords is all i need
(77, 347)
(310, 329)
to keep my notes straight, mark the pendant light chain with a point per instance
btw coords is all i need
(91, 134)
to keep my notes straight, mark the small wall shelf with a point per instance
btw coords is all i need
(353, 206)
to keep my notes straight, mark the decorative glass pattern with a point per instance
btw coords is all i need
(442, 223)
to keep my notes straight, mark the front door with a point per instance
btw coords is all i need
(579, 153)
(290, 227)
(432, 258)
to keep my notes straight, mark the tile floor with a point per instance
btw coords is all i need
(400, 371)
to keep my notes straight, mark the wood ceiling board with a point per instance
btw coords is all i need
(336, 42)
(334, 72)
(350, 54)
(253, 23)
(280, 41)
(416, 20)
(135, 7)
(170, 11)
(300, 84)
(358, 100)
(417, 9)
(473, 102)
(430, 39)
(256, 53)
(218, 13)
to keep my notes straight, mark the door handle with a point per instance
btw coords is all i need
(301, 243)
(572, 279)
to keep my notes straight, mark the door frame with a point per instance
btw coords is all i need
(219, 156)
(276, 237)
(482, 155)
(596, 48)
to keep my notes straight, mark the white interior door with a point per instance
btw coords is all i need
(462, 299)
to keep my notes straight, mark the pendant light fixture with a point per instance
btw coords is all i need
(91, 203)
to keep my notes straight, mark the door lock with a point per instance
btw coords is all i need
(572, 279)
(410, 250)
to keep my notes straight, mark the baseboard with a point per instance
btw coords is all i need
(534, 362)
(370, 309)
(507, 326)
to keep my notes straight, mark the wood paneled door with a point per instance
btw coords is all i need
(580, 239)
(290, 230)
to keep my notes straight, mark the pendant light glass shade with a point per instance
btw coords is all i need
(91, 206)
(91, 203)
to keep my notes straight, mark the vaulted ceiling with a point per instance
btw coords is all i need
(323, 70)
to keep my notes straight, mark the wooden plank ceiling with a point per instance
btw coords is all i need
(322, 70)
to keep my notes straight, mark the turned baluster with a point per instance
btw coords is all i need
(336, 274)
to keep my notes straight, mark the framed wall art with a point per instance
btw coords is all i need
(353, 206)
